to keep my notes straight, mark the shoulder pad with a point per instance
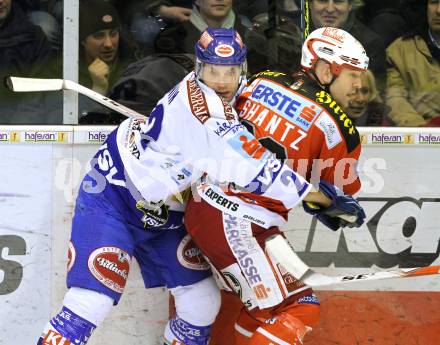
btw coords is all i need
(279, 77)
(347, 127)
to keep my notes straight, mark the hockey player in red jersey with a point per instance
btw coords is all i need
(298, 118)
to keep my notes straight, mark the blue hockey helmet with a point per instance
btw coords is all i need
(221, 61)
(220, 47)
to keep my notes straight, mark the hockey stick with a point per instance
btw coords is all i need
(38, 84)
(278, 248)
(17, 84)
(316, 279)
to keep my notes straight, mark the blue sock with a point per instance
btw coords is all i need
(188, 333)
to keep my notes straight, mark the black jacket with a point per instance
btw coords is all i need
(24, 52)
(24, 49)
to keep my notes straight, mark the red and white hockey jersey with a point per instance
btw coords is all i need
(294, 118)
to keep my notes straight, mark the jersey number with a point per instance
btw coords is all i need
(274, 146)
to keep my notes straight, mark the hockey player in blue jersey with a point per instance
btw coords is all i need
(131, 201)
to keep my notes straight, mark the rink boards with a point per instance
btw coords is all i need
(41, 168)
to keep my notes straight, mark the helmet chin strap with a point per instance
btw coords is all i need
(326, 87)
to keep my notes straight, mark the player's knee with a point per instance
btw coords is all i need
(198, 303)
(91, 305)
(82, 312)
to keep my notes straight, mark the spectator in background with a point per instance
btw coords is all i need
(39, 14)
(174, 11)
(170, 10)
(390, 19)
(146, 81)
(145, 19)
(252, 8)
(341, 14)
(413, 77)
(24, 52)
(104, 51)
(385, 18)
(212, 13)
(29, 5)
(364, 105)
(143, 84)
(286, 40)
(51, 28)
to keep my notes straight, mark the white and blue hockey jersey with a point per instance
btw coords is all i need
(146, 164)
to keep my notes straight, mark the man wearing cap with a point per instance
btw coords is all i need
(103, 55)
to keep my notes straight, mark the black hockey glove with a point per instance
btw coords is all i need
(344, 210)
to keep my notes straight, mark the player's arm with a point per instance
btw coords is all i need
(337, 150)
(236, 156)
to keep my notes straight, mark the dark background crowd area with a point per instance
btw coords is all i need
(134, 51)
